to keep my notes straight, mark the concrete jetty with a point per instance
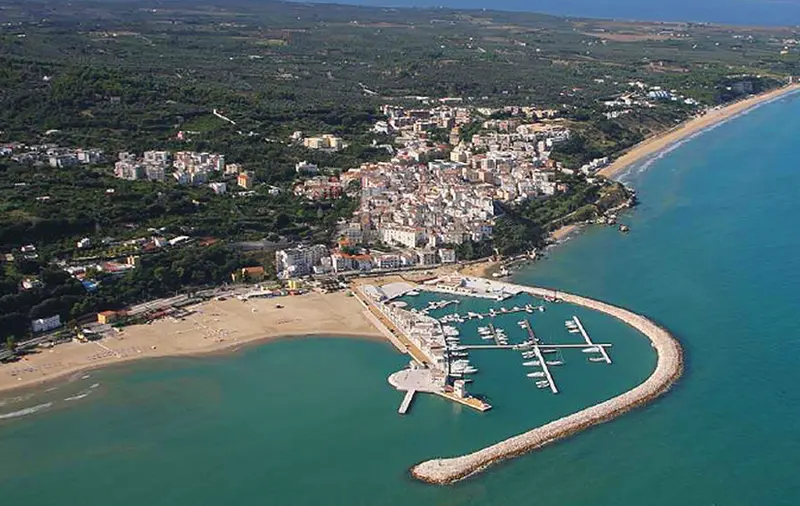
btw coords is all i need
(589, 340)
(669, 368)
(467, 347)
(403, 409)
(551, 383)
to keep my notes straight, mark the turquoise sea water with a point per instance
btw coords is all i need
(712, 255)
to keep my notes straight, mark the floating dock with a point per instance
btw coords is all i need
(588, 340)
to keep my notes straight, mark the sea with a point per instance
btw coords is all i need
(737, 12)
(712, 255)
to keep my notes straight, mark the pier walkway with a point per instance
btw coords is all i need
(369, 315)
(406, 402)
(589, 340)
(540, 357)
(527, 346)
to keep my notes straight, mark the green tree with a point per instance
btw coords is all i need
(11, 344)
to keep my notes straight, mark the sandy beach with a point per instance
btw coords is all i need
(564, 231)
(482, 269)
(662, 141)
(214, 326)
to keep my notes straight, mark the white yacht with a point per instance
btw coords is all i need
(533, 363)
(537, 374)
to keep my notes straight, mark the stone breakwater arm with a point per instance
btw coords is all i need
(669, 368)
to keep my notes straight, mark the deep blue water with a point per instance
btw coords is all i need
(741, 12)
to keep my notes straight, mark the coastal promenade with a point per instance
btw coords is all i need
(668, 369)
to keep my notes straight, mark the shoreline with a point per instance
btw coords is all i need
(225, 349)
(215, 327)
(565, 231)
(668, 370)
(664, 140)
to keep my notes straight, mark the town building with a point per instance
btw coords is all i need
(107, 317)
(325, 142)
(245, 180)
(45, 324)
(218, 188)
(298, 261)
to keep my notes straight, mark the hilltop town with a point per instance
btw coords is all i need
(442, 188)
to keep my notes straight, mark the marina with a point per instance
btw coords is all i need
(441, 345)
(668, 369)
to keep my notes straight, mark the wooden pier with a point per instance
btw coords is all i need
(589, 342)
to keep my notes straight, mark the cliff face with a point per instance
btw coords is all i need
(612, 196)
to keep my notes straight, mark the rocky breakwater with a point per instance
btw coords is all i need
(668, 369)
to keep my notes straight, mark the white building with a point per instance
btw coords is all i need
(447, 256)
(45, 324)
(298, 261)
(404, 236)
(157, 158)
(389, 262)
(427, 258)
(155, 173)
(306, 168)
(218, 188)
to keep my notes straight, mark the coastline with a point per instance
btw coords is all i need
(564, 231)
(655, 144)
(669, 369)
(214, 327)
(65, 359)
(482, 269)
